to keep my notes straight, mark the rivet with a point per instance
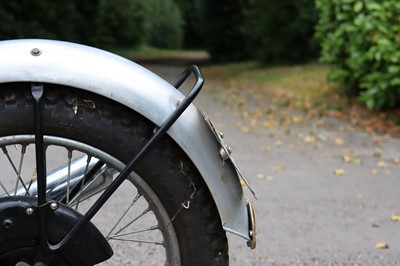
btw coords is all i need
(36, 52)
(7, 224)
(29, 211)
(54, 206)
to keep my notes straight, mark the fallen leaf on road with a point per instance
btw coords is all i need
(267, 149)
(396, 160)
(278, 143)
(340, 172)
(377, 152)
(348, 150)
(381, 245)
(260, 176)
(395, 217)
(277, 169)
(338, 141)
(245, 129)
(353, 160)
(264, 177)
(310, 138)
(346, 158)
(322, 137)
(374, 171)
(269, 124)
(381, 164)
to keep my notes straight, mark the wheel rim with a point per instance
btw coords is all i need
(134, 220)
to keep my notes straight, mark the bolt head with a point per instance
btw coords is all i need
(36, 52)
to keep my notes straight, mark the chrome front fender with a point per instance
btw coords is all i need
(121, 80)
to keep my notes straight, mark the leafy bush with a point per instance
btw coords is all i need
(361, 41)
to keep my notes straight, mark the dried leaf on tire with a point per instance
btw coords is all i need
(381, 245)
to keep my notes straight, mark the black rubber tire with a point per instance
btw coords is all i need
(111, 127)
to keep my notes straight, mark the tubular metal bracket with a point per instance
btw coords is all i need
(158, 134)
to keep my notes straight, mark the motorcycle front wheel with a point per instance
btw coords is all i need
(163, 214)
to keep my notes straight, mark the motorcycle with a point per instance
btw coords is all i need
(105, 162)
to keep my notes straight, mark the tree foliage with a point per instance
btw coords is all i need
(119, 23)
(361, 41)
(283, 31)
(163, 24)
(194, 16)
(101, 23)
(270, 31)
(28, 19)
(225, 29)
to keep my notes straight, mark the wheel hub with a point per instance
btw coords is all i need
(20, 243)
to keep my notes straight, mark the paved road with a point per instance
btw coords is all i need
(326, 191)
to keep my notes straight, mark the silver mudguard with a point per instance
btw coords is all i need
(121, 80)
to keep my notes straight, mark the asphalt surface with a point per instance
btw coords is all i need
(327, 193)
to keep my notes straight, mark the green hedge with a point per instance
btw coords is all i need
(361, 41)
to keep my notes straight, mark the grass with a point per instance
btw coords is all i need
(300, 85)
(252, 88)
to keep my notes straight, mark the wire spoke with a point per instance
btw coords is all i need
(87, 185)
(21, 160)
(161, 243)
(135, 199)
(19, 179)
(5, 190)
(69, 175)
(151, 228)
(89, 158)
(134, 220)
